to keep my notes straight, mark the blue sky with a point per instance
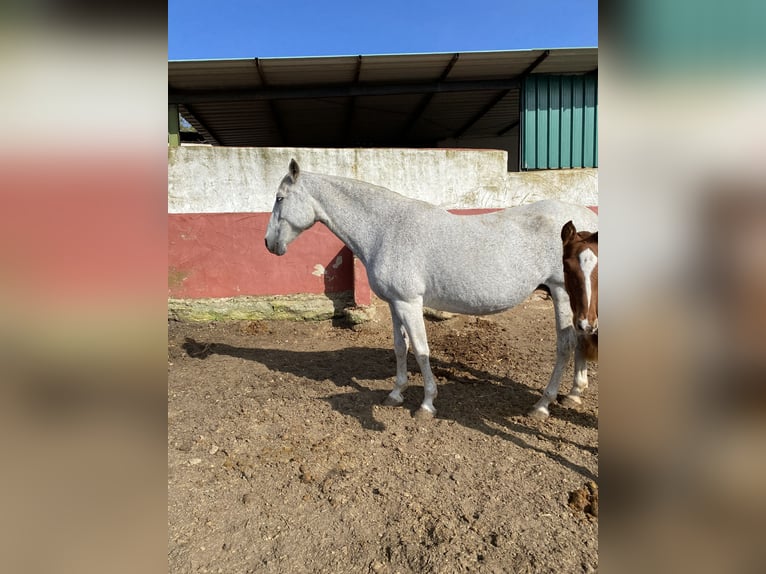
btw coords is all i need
(204, 29)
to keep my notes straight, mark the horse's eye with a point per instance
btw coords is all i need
(279, 198)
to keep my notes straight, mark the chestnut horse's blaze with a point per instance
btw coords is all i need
(580, 259)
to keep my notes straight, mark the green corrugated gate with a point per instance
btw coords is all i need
(559, 122)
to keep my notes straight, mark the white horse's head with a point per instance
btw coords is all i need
(293, 212)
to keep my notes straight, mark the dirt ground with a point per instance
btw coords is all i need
(281, 458)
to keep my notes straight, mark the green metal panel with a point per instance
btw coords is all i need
(542, 121)
(589, 127)
(554, 122)
(565, 135)
(529, 126)
(559, 122)
(578, 116)
(590, 124)
(595, 135)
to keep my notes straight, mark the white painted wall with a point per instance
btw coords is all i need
(574, 185)
(235, 180)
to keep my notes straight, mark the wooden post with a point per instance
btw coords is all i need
(174, 126)
(362, 291)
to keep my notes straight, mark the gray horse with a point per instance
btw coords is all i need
(417, 254)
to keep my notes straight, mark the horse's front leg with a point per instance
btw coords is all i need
(580, 382)
(411, 316)
(565, 343)
(401, 345)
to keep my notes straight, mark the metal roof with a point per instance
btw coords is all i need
(414, 100)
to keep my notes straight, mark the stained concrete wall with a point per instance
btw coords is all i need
(245, 180)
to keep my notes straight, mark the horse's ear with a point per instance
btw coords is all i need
(568, 231)
(294, 170)
(594, 238)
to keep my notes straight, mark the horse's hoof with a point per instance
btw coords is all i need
(540, 413)
(571, 401)
(423, 414)
(391, 402)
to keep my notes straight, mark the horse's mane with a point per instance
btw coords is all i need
(355, 187)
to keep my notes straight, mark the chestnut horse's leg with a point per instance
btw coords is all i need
(580, 382)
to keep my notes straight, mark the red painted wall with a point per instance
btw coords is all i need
(223, 255)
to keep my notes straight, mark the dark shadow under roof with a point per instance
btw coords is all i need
(418, 100)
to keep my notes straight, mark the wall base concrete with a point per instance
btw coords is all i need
(246, 308)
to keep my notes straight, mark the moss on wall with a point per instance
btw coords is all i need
(290, 307)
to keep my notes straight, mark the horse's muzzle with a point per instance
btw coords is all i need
(586, 328)
(277, 249)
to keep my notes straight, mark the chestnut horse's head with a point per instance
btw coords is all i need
(581, 276)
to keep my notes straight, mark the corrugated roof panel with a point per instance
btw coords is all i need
(500, 117)
(236, 115)
(492, 65)
(415, 68)
(229, 74)
(251, 119)
(389, 112)
(569, 61)
(308, 71)
(448, 113)
(313, 120)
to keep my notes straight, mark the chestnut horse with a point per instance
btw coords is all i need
(581, 282)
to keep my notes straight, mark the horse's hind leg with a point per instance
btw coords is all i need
(411, 316)
(401, 345)
(565, 342)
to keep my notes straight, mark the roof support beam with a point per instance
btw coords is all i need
(339, 91)
(507, 128)
(498, 98)
(191, 116)
(418, 111)
(174, 127)
(275, 115)
(349, 121)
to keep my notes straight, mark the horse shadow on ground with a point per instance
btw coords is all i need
(494, 405)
